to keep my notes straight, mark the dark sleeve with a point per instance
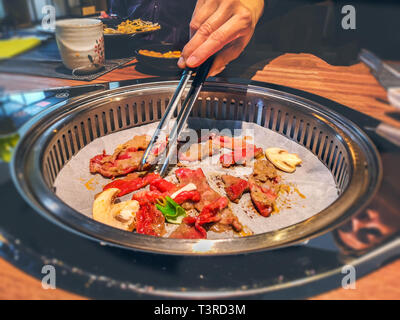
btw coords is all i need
(123, 8)
(276, 8)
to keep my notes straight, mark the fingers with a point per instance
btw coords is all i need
(216, 24)
(203, 30)
(206, 29)
(228, 32)
(201, 13)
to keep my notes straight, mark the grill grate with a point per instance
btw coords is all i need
(56, 135)
(135, 110)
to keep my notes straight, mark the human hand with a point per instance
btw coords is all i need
(225, 25)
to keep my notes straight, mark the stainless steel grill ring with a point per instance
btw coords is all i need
(54, 136)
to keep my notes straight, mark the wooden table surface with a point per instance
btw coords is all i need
(352, 86)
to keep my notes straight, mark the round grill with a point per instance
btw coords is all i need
(50, 140)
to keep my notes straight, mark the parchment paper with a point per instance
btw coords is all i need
(76, 186)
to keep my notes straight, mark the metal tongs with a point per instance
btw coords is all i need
(181, 120)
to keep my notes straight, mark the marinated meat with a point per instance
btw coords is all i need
(263, 183)
(199, 151)
(213, 208)
(132, 183)
(163, 186)
(125, 159)
(230, 142)
(234, 187)
(185, 196)
(240, 156)
(137, 143)
(198, 178)
(210, 211)
(242, 151)
(218, 212)
(194, 226)
(149, 196)
(149, 220)
(263, 199)
(230, 220)
(187, 230)
(264, 172)
(127, 163)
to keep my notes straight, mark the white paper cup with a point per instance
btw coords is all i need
(81, 44)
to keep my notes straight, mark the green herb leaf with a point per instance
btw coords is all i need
(172, 211)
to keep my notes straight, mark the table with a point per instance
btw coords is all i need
(353, 86)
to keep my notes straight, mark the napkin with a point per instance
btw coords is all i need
(11, 47)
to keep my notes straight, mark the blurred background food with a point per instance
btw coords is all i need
(7, 145)
(155, 54)
(159, 58)
(132, 27)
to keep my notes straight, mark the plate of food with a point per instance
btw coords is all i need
(162, 57)
(129, 28)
